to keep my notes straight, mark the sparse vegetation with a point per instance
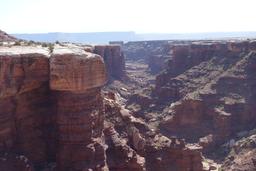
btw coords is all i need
(31, 42)
(51, 47)
(44, 45)
(17, 43)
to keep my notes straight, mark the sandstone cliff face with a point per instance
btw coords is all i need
(154, 53)
(114, 60)
(24, 95)
(51, 108)
(197, 54)
(214, 96)
(77, 76)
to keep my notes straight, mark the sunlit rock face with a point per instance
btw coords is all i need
(51, 109)
(113, 58)
(210, 89)
(22, 69)
(76, 70)
(25, 102)
(77, 76)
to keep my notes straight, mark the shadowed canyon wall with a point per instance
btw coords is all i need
(113, 58)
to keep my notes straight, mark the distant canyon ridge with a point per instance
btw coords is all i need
(105, 37)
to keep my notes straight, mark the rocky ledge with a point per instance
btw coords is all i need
(51, 107)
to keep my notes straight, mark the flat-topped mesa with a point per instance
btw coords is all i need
(114, 60)
(77, 77)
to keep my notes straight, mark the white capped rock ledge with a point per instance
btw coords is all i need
(76, 70)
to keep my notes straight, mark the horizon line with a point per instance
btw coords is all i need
(134, 32)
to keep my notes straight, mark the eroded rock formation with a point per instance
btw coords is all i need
(142, 147)
(24, 102)
(114, 60)
(77, 77)
(51, 107)
(213, 89)
(242, 152)
(52, 117)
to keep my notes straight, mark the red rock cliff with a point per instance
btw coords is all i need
(77, 78)
(25, 103)
(51, 108)
(213, 91)
(114, 60)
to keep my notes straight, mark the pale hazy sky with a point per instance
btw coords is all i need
(142, 16)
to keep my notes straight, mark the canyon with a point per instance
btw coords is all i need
(140, 106)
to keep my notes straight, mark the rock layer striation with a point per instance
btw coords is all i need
(51, 107)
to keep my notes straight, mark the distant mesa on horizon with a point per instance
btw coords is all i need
(106, 37)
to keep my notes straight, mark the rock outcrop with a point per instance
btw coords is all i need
(51, 109)
(25, 102)
(114, 60)
(242, 153)
(77, 76)
(142, 147)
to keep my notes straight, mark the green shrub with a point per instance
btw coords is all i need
(51, 47)
(31, 42)
(44, 45)
(18, 43)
